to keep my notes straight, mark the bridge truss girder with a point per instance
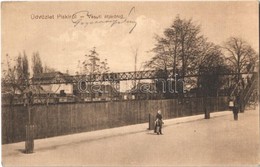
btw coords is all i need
(115, 77)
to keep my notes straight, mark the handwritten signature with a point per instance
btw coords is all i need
(85, 18)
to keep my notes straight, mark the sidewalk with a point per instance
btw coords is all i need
(55, 142)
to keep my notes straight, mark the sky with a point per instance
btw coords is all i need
(61, 43)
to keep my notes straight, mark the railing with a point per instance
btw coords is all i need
(250, 88)
(246, 93)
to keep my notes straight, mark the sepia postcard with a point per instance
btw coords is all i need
(130, 83)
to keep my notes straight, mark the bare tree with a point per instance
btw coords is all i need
(211, 66)
(240, 55)
(93, 64)
(22, 72)
(15, 79)
(162, 58)
(180, 48)
(9, 85)
(36, 64)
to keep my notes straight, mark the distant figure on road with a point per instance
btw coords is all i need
(158, 122)
(231, 103)
(236, 108)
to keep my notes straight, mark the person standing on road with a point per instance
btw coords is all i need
(158, 121)
(231, 103)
